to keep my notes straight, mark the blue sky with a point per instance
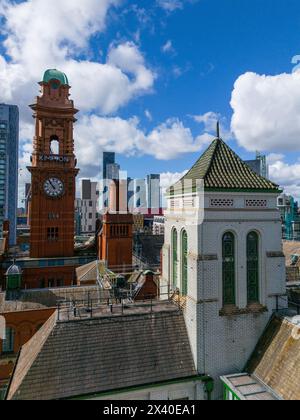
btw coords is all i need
(152, 77)
(214, 41)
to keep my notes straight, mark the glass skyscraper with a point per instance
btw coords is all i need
(153, 191)
(9, 153)
(109, 158)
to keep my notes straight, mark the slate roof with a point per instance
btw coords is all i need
(77, 358)
(48, 298)
(276, 359)
(222, 169)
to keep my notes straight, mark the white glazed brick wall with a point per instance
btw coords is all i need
(192, 390)
(223, 345)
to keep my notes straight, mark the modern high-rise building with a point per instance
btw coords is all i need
(113, 171)
(88, 206)
(9, 152)
(153, 191)
(109, 158)
(259, 165)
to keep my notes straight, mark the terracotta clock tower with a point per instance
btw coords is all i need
(53, 170)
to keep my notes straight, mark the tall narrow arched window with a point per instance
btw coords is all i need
(174, 257)
(9, 343)
(184, 263)
(228, 269)
(253, 267)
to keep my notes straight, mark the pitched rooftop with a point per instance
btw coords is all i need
(276, 360)
(222, 170)
(87, 357)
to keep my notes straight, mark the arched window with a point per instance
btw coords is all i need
(253, 267)
(54, 145)
(228, 269)
(8, 344)
(184, 263)
(175, 257)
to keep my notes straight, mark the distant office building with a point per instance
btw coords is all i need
(153, 191)
(289, 211)
(9, 149)
(87, 207)
(78, 209)
(259, 165)
(113, 171)
(137, 196)
(158, 225)
(130, 191)
(108, 159)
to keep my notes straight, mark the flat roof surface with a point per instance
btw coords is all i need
(248, 387)
(85, 311)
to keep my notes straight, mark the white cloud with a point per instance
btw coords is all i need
(95, 134)
(168, 48)
(148, 115)
(274, 157)
(267, 112)
(170, 5)
(167, 179)
(284, 174)
(34, 43)
(209, 121)
(170, 139)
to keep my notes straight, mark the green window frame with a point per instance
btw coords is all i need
(228, 268)
(174, 258)
(8, 345)
(253, 267)
(184, 263)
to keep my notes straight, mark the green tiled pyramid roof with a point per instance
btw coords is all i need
(223, 170)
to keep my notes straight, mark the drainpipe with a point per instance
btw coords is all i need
(209, 386)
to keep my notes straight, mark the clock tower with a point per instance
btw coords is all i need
(53, 170)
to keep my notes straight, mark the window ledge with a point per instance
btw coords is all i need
(7, 356)
(232, 310)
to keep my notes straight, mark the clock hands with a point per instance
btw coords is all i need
(55, 187)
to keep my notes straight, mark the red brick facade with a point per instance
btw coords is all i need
(52, 212)
(25, 324)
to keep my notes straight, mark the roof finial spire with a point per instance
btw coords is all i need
(218, 129)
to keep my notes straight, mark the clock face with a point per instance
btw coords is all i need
(54, 187)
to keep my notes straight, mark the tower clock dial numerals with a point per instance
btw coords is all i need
(54, 187)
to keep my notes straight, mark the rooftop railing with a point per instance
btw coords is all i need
(111, 304)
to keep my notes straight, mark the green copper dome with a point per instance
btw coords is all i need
(57, 75)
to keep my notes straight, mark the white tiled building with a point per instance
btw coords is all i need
(230, 269)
